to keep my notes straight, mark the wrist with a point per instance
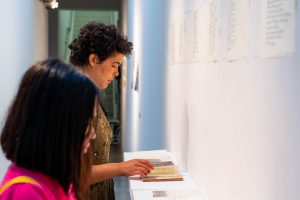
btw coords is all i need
(118, 169)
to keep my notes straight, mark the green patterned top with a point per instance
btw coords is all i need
(101, 147)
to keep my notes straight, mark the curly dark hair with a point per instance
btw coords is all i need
(100, 39)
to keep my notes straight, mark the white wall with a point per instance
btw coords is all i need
(24, 40)
(233, 125)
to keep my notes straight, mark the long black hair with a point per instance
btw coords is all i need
(47, 121)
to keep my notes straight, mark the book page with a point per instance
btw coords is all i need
(238, 29)
(200, 31)
(213, 47)
(277, 28)
(187, 31)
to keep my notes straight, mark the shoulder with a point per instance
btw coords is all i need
(24, 191)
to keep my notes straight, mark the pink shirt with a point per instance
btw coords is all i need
(50, 189)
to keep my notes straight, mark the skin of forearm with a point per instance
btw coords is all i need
(105, 171)
(127, 168)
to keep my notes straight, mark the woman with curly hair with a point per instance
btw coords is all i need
(47, 134)
(99, 50)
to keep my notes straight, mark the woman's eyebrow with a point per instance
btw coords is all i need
(117, 63)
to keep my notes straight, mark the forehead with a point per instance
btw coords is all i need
(116, 57)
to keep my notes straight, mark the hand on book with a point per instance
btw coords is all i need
(163, 171)
(136, 167)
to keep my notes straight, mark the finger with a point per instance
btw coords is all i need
(144, 167)
(147, 167)
(142, 170)
(146, 162)
(133, 165)
(134, 173)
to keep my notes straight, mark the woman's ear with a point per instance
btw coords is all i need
(93, 59)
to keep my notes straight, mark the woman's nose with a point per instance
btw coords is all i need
(117, 72)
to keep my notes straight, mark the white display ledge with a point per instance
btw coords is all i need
(168, 190)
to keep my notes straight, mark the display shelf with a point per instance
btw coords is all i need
(166, 190)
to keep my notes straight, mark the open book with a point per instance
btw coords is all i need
(163, 171)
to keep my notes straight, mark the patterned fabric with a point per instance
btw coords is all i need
(101, 147)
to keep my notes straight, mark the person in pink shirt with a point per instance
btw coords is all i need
(47, 134)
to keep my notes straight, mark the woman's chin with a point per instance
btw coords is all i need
(102, 86)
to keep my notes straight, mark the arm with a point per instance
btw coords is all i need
(128, 168)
